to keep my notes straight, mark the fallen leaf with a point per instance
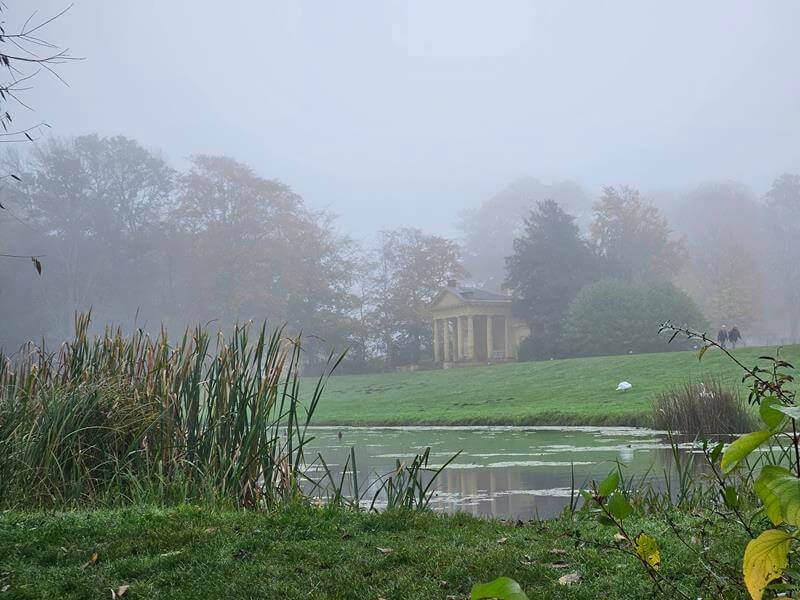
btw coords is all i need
(569, 579)
(92, 560)
(618, 537)
(173, 553)
(559, 564)
(4, 589)
(442, 583)
(557, 551)
(119, 592)
(211, 530)
(502, 540)
(384, 551)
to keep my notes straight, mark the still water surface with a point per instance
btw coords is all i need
(508, 472)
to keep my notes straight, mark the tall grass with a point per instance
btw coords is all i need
(118, 419)
(702, 408)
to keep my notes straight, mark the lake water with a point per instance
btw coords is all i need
(508, 472)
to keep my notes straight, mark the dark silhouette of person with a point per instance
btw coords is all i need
(734, 336)
(722, 336)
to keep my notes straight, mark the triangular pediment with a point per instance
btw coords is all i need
(446, 299)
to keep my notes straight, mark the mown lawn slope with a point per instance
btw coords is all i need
(577, 391)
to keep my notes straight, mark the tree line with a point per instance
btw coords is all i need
(602, 289)
(141, 243)
(122, 232)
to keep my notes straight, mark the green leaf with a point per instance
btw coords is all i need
(502, 588)
(716, 451)
(609, 484)
(779, 490)
(765, 558)
(741, 449)
(618, 506)
(770, 414)
(731, 499)
(790, 411)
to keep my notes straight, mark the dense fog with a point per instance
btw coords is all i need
(332, 166)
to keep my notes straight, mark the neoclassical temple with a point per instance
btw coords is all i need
(471, 325)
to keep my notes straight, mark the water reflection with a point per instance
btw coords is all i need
(510, 472)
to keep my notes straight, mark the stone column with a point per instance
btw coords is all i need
(509, 343)
(460, 332)
(470, 338)
(436, 340)
(446, 324)
(489, 347)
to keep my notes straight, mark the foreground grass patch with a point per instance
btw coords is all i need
(577, 391)
(302, 552)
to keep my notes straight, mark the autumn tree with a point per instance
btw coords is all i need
(410, 268)
(551, 262)
(633, 238)
(783, 222)
(721, 222)
(247, 247)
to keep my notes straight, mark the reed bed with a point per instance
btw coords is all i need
(703, 408)
(117, 419)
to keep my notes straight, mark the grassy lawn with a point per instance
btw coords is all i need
(560, 392)
(302, 552)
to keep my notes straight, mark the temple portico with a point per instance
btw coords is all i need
(474, 326)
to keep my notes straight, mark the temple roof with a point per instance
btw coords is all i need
(473, 294)
(468, 295)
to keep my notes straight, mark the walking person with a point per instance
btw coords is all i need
(722, 336)
(734, 336)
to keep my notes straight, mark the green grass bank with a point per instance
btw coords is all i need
(578, 391)
(304, 552)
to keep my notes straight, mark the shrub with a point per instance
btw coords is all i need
(702, 409)
(618, 317)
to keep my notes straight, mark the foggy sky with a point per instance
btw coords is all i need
(402, 113)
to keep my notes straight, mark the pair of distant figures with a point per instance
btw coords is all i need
(725, 337)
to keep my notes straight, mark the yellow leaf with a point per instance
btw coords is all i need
(647, 549)
(765, 558)
(92, 561)
(570, 579)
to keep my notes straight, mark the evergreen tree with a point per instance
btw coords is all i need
(550, 264)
